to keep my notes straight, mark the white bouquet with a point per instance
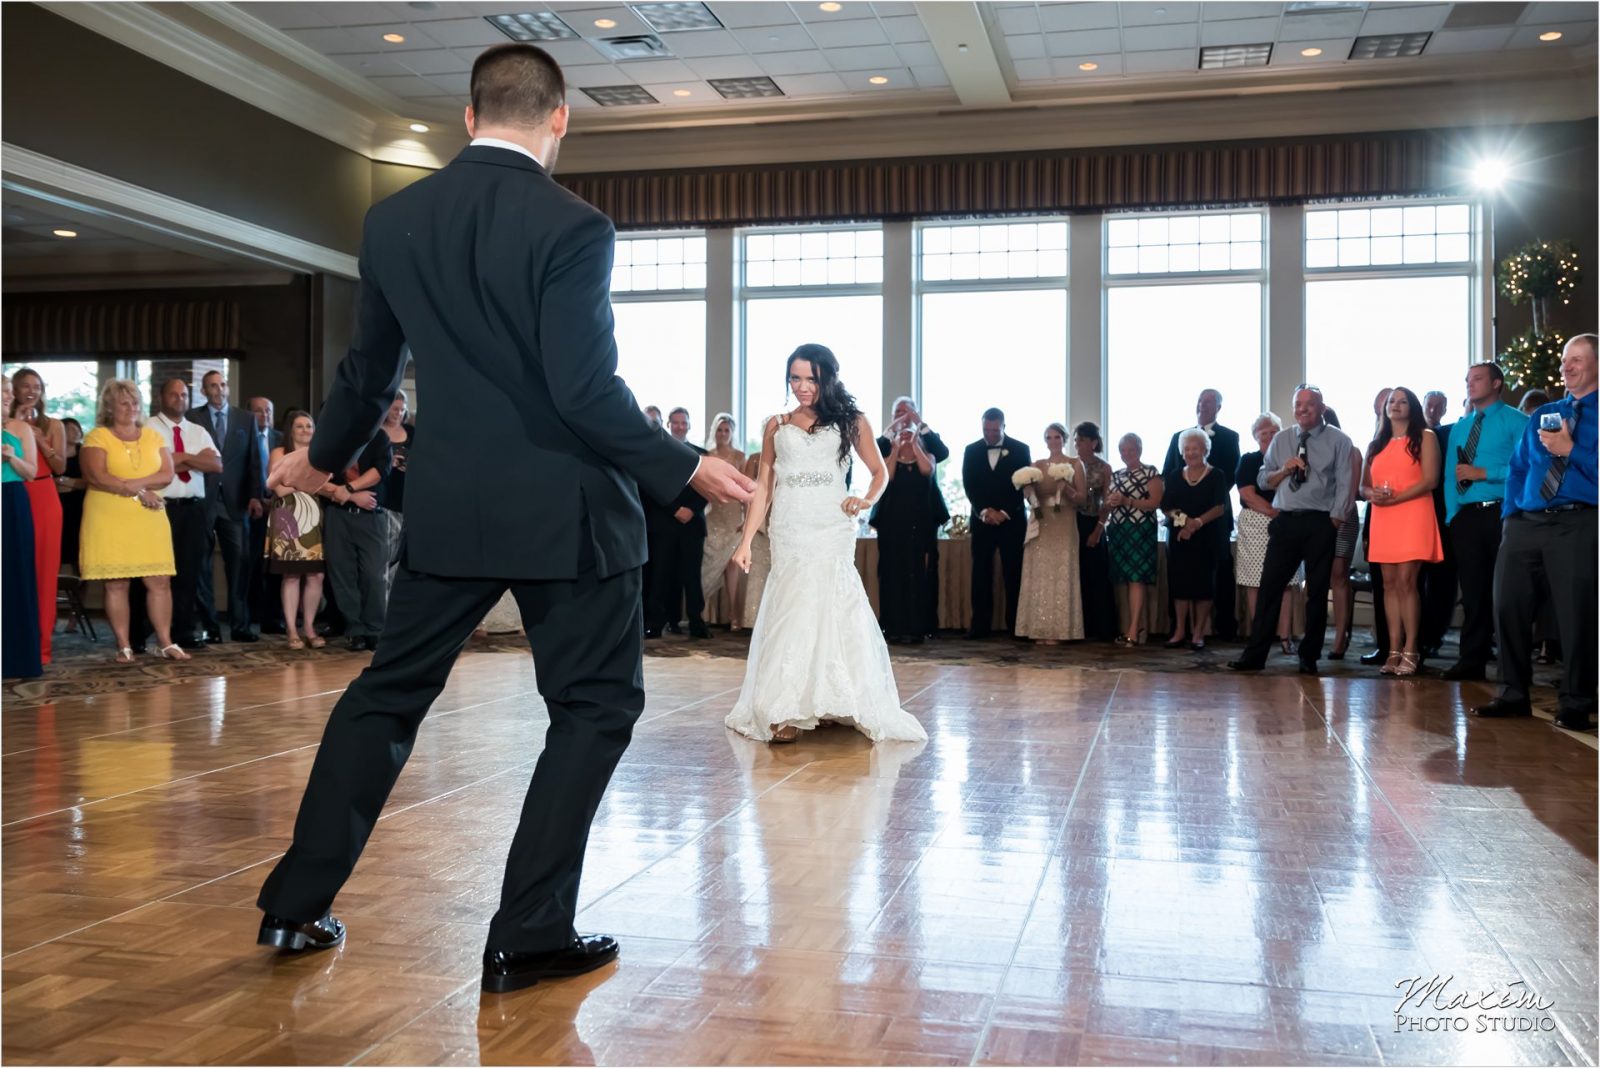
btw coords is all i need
(1026, 476)
(1178, 520)
(1063, 472)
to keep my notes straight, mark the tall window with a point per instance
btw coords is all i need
(71, 387)
(823, 286)
(1183, 314)
(993, 300)
(1389, 301)
(658, 299)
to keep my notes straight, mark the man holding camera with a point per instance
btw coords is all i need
(1548, 546)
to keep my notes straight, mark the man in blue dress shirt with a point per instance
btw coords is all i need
(1476, 459)
(1548, 548)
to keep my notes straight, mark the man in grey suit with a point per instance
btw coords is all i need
(243, 480)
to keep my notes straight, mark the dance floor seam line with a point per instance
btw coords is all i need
(1044, 872)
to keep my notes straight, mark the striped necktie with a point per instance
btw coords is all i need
(1467, 454)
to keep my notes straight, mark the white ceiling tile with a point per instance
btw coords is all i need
(870, 58)
(692, 43)
(460, 33)
(1151, 14)
(775, 39)
(1014, 20)
(900, 81)
(290, 16)
(1448, 42)
(1159, 62)
(892, 8)
(726, 67)
(1334, 50)
(583, 20)
(807, 62)
(435, 61)
(407, 85)
(1030, 46)
(737, 16)
(453, 83)
(918, 55)
(811, 13)
(330, 40)
(572, 53)
(1239, 31)
(1053, 17)
(1572, 33)
(699, 92)
(590, 76)
(1082, 42)
(1246, 10)
(579, 102)
(1536, 13)
(1154, 38)
(370, 63)
(1033, 70)
(905, 28)
(930, 77)
(1108, 64)
(1312, 27)
(1404, 19)
(657, 70)
(847, 33)
(810, 84)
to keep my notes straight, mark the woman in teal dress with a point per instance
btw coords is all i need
(19, 597)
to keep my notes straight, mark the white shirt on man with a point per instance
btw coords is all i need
(196, 440)
(994, 456)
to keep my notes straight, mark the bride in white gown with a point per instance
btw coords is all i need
(816, 652)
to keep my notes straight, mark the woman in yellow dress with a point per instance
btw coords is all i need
(125, 530)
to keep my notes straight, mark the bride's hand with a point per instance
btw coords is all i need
(741, 558)
(852, 506)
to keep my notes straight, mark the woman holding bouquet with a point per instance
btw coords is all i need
(1193, 502)
(1050, 607)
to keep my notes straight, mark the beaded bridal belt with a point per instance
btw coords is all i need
(809, 478)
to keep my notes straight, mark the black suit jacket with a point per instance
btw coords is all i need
(240, 479)
(1447, 469)
(992, 488)
(691, 500)
(499, 281)
(1224, 456)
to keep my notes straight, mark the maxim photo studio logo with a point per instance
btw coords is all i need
(1438, 1003)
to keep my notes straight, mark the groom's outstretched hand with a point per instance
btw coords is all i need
(717, 480)
(294, 470)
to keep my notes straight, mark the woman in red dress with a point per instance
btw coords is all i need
(1402, 469)
(27, 404)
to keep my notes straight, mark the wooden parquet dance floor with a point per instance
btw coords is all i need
(1080, 866)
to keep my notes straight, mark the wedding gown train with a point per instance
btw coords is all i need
(816, 652)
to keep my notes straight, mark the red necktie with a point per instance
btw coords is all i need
(177, 445)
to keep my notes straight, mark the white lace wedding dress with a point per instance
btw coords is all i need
(816, 652)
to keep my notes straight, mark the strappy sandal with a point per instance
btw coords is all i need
(1409, 663)
(124, 656)
(1391, 666)
(295, 643)
(174, 652)
(316, 641)
(785, 735)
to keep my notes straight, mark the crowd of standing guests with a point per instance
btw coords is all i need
(146, 504)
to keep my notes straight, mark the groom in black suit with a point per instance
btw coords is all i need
(499, 281)
(999, 521)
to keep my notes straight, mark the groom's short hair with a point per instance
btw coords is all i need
(516, 85)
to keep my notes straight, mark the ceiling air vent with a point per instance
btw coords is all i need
(1489, 13)
(639, 46)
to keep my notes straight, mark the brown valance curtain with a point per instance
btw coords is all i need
(57, 327)
(1368, 165)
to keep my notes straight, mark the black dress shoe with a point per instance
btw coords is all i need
(652, 632)
(1307, 667)
(212, 637)
(507, 970)
(1574, 721)
(1245, 665)
(191, 644)
(976, 635)
(1500, 708)
(673, 628)
(1377, 656)
(355, 645)
(244, 636)
(700, 633)
(287, 934)
(1464, 671)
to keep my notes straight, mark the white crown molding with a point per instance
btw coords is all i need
(93, 283)
(151, 33)
(55, 181)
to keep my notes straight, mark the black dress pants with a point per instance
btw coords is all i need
(1474, 533)
(1294, 538)
(675, 574)
(1548, 557)
(587, 646)
(190, 521)
(1007, 539)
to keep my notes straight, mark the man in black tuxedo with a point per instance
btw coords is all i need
(1224, 456)
(999, 522)
(232, 492)
(1439, 585)
(499, 281)
(266, 606)
(677, 545)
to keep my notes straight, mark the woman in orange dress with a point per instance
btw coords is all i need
(1401, 470)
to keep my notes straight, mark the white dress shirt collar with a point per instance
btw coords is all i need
(495, 142)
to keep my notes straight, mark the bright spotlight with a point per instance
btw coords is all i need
(1489, 174)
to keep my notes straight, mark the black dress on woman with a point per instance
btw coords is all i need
(907, 519)
(71, 513)
(1192, 564)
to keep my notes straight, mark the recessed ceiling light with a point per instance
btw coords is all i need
(65, 233)
(1088, 66)
(830, 6)
(1552, 35)
(878, 79)
(395, 38)
(606, 24)
(680, 92)
(419, 127)
(1310, 52)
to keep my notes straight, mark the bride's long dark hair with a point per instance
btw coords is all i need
(834, 405)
